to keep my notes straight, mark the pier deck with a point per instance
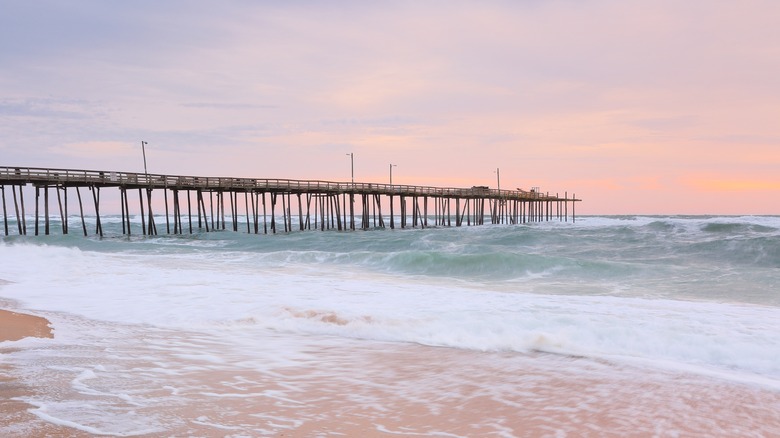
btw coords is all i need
(331, 201)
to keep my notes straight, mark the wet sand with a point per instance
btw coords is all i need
(382, 390)
(154, 382)
(15, 326)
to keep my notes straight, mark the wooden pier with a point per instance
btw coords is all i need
(301, 204)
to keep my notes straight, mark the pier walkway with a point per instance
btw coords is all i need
(320, 204)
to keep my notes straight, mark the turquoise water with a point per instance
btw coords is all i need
(721, 259)
(687, 263)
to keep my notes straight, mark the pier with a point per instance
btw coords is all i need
(195, 203)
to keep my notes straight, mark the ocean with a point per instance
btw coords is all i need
(610, 326)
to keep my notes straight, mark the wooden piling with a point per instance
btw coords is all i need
(122, 195)
(337, 212)
(65, 196)
(265, 216)
(246, 211)
(573, 216)
(202, 204)
(46, 208)
(289, 211)
(37, 196)
(152, 226)
(273, 214)
(255, 211)
(141, 205)
(352, 211)
(167, 219)
(189, 211)
(198, 198)
(344, 209)
(16, 208)
(285, 212)
(415, 209)
(425, 212)
(63, 216)
(176, 224)
(81, 212)
(5, 212)
(24, 216)
(308, 212)
(211, 208)
(320, 221)
(127, 211)
(96, 198)
(392, 219)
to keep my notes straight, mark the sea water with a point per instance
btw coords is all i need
(234, 334)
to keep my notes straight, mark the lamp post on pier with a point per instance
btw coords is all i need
(392, 221)
(498, 180)
(143, 149)
(352, 162)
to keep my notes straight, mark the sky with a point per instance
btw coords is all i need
(637, 107)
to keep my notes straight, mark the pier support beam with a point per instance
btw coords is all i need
(96, 199)
(81, 212)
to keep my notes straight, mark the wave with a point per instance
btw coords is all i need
(665, 333)
(492, 266)
(733, 228)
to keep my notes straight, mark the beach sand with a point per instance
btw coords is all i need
(15, 326)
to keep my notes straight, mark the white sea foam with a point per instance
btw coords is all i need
(216, 293)
(109, 423)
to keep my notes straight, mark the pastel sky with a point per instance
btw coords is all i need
(638, 107)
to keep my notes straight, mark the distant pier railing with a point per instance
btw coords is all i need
(330, 200)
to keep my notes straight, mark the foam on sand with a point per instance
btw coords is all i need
(14, 411)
